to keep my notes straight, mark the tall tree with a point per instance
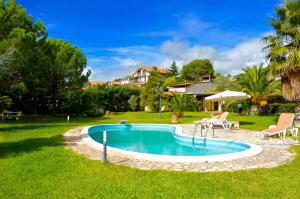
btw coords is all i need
(21, 40)
(284, 49)
(64, 67)
(195, 70)
(151, 91)
(256, 83)
(173, 70)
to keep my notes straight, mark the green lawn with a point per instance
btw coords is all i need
(34, 163)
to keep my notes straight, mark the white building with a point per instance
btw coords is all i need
(179, 88)
(140, 75)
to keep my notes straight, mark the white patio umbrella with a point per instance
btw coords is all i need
(227, 95)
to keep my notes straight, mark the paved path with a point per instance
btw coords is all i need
(275, 152)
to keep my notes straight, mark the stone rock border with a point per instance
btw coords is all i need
(275, 152)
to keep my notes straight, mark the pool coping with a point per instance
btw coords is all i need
(252, 151)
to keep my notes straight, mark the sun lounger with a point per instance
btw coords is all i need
(284, 124)
(217, 121)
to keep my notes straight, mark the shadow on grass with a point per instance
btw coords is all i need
(42, 119)
(13, 149)
(246, 123)
(26, 127)
(190, 116)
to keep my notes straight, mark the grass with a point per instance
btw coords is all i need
(34, 163)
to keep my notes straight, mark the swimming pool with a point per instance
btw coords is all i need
(165, 142)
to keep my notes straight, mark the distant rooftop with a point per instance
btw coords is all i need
(95, 83)
(200, 88)
(180, 85)
(162, 71)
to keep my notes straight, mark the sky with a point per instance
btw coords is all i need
(117, 35)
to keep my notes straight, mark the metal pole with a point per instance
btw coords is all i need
(104, 148)
(160, 105)
(68, 120)
(160, 93)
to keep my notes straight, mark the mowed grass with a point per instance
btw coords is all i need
(34, 163)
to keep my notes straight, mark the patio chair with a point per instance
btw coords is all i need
(284, 124)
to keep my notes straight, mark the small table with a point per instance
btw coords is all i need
(235, 124)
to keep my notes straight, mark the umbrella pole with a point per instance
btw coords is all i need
(220, 106)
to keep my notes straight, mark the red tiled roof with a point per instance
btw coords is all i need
(162, 71)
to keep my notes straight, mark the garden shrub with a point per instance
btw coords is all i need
(5, 103)
(192, 104)
(94, 111)
(95, 101)
(282, 108)
(231, 106)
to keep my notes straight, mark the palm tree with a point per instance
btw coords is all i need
(284, 49)
(255, 82)
(179, 104)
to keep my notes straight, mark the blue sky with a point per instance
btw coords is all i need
(117, 36)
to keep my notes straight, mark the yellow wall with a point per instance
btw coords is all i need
(208, 105)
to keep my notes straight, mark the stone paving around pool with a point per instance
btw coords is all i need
(274, 152)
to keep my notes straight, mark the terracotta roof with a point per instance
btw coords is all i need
(151, 68)
(162, 71)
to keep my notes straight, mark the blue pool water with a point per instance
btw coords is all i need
(162, 140)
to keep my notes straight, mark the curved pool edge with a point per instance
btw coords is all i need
(252, 151)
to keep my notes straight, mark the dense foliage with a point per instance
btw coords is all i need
(96, 101)
(254, 81)
(282, 108)
(169, 81)
(284, 49)
(196, 69)
(222, 83)
(180, 103)
(237, 106)
(35, 72)
(151, 91)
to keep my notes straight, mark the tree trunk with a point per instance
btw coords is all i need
(297, 108)
(297, 115)
(54, 102)
(254, 109)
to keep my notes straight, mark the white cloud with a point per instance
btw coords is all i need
(180, 50)
(230, 61)
(126, 61)
(248, 53)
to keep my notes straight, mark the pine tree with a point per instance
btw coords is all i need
(173, 70)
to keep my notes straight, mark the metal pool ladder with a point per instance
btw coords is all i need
(205, 135)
